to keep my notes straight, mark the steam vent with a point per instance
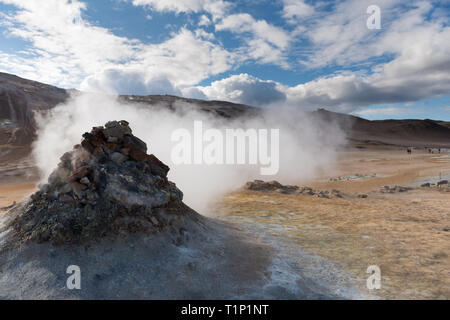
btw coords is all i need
(109, 210)
(106, 186)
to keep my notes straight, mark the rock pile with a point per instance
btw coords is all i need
(442, 183)
(107, 185)
(275, 186)
(395, 189)
(259, 185)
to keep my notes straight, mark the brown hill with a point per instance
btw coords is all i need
(407, 133)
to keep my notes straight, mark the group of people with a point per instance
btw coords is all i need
(430, 150)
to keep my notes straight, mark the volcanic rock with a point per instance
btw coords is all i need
(395, 189)
(442, 183)
(259, 185)
(94, 194)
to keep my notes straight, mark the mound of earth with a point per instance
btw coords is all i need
(106, 186)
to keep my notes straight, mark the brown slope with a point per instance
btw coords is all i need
(19, 98)
(406, 133)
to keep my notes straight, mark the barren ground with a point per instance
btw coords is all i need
(406, 234)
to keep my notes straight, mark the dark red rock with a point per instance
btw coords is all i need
(76, 186)
(133, 142)
(138, 155)
(125, 151)
(78, 173)
(157, 166)
(98, 139)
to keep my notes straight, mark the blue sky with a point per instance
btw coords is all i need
(307, 54)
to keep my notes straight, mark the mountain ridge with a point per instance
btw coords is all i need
(20, 99)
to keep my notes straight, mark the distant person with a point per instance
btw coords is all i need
(408, 150)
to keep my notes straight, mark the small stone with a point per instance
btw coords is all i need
(118, 158)
(111, 124)
(85, 181)
(78, 173)
(112, 146)
(442, 182)
(154, 221)
(138, 155)
(363, 196)
(66, 198)
(98, 152)
(76, 186)
(113, 140)
(117, 129)
(92, 196)
(63, 173)
(426, 185)
(135, 143)
(65, 189)
(87, 146)
(125, 151)
(157, 166)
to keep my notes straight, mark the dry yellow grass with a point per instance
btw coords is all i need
(405, 234)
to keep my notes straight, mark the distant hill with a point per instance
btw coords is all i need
(408, 132)
(21, 98)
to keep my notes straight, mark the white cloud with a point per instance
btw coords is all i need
(344, 92)
(267, 43)
(381, 112)
(185, 59)
(246, 89)
(116, 81)
(243, 22)
(407, 60)
(66, 49)
(204, 21)
(215, 7)
(296, 9)
(341, 36)
(62, 42)
(200, 33)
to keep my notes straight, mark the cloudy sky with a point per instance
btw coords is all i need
(301, 53)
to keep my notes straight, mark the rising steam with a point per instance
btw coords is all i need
(307, 146)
